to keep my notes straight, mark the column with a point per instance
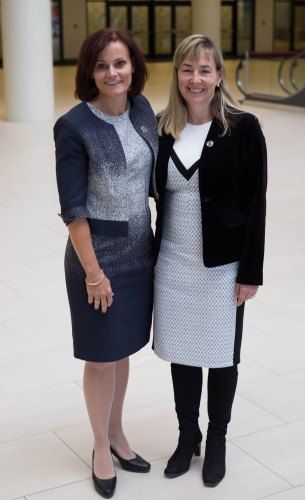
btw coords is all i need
(206, 18)
(27, 60)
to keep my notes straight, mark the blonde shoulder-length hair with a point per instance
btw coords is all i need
(223, 106)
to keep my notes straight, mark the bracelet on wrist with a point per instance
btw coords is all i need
(96, 282)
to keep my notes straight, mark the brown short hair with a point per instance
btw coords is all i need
(85, 88)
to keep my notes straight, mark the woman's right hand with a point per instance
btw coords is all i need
(101, 296)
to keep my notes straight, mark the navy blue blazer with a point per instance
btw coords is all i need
(232, 185)
(89, 154)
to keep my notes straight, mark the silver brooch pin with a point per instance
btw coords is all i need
(143, 128)
(210, 144)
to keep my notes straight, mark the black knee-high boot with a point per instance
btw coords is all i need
(187, 383)
(221, 391)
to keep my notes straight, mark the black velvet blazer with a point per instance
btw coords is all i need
(232, 185)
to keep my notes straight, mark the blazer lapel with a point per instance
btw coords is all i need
(165, 145)
(145, 124)
(211, 143)
(213, 135)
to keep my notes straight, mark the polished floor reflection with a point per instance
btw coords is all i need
(45, 440)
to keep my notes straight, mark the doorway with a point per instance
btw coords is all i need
(157, 26)
(298, 22)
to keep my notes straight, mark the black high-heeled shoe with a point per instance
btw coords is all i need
(137, 464)
(104, 487)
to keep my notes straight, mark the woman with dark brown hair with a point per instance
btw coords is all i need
(106, 147)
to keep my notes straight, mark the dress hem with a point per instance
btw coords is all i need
(201, 365)
(133, 351)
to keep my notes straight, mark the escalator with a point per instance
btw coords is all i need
(282, 74)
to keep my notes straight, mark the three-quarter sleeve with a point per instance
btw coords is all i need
(254, 185)
(71, 172)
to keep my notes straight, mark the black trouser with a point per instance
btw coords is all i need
(187, 383)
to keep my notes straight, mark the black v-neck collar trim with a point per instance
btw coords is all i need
(186, 172)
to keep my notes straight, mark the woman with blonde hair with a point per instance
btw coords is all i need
(209, 249)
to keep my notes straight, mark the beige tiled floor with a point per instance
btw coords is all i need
(45, 438)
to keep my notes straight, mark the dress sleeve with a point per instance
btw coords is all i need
(71, 172)
(254, 185)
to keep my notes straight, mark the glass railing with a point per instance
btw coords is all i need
(297, 72)
(272, 77)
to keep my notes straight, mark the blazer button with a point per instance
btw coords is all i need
(210, 144)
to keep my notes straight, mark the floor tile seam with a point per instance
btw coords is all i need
(32, 435)
(56, 231)
(29, 267)
(126, 412)
(46, 248)
(242, 384)
(279, 279)
(35, 389)
(20, 261)
(279, 303)
(296, 421)
(277, 426)
(71, 449)
(275, 376)
(289, 489)
(302, 330)
(257, 329)
(292, 371)
(36, 352)
(28, 495)
(23, 438)
(24, 279)
(262, 408)
(2, 282)
(277, 493)
(260, 364)
(263, 465)
(75, 383)
(18, 329)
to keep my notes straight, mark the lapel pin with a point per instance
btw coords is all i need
(143, 128)
(210, 144)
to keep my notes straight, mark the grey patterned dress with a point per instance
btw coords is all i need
(194, 306)
(113, 177)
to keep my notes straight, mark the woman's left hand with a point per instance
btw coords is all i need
(245, 292)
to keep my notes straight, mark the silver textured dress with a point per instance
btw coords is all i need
(127, 260)
(194, 306)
